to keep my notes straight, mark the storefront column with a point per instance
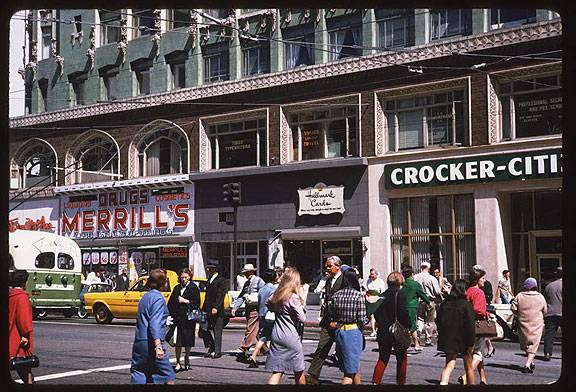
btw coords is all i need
(378, 253)
(490, 243)
(195, 260)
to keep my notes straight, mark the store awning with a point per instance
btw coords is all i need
(110, 186)
(321, 233)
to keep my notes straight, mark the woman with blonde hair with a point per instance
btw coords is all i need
(286, 348)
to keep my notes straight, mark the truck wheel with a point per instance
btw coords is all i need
(38, 314)
(82, 313)
(102, 315)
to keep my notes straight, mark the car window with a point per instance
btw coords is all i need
(140, 285)
(65, 261)
(44, 260)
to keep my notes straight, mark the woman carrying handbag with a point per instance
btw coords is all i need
(20, 355)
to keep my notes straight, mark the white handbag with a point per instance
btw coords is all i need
(251, 299)
(270, 316)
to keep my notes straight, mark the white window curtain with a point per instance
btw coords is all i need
(420, 214)
(336, 41)
(175, 158)
(399, 216)
(444, 218)
(464, 211)
(153, 159)
(466, 254)
(292, 52)
(410, 129)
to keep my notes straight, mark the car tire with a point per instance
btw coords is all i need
(82, 313)
(38, 314)
(102, 314)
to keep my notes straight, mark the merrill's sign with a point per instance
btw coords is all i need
(321, 199)
(478, 169)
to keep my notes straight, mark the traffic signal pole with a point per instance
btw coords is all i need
(235, 236)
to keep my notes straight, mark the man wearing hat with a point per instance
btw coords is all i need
(553, 317)
(427, 312)
(214, 306)
(249, 295)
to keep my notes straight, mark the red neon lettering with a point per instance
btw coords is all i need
(159, 223)
(120, 217)
(133, 218)
(141, 223)
(68, 225)
(103, 220)
(181, 214)
(88, 220)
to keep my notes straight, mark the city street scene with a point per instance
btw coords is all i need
(285, 196)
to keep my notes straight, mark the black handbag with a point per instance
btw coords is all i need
(26, 362)
(402, 338)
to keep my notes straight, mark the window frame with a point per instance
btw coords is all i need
(109, 21)
(382, 31)
(288, 45)
(496, 18)
(174, 136)
(142, 14)
(262, 53)
(51, 260)
(177, 75)
(335, 56)
(222, 57)
(47, 156)
(464, 23)
(108, 152)
(173, 23)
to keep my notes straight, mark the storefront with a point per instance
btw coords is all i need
(290, 215)
(139, 226)
(501, 210)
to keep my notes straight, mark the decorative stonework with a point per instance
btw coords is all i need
(493, 110)
(268, 16)
(22, 69)
(157, 31)
(288, 17)
(244, 25)
(424, 88)
(285, 135)
(91, 53)
(204, 34)
(59, 59)
(205, 160)
(33, 60)
(493, 39)
(229, 24)
(378, 128)
(123, 42)
(193, 28)
(306, 16)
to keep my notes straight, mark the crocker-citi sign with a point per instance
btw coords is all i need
(128, 213)
(476, 169)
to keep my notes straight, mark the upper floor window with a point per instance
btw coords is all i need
(163, 152)
(37, 166)
(248, 10)
(324, 133)
(393, 32)
(256, 59)
(430, 120)
(96, 159)
(220, 13)
(531, 107)
(506, 17)
(237, 144)
(216, 67)
(178, 18)
(142, 73)
(109, 26)
(345, 43)
(450, 22)
(46, 32)
(178, 72)
(300, 52)
(143, 22)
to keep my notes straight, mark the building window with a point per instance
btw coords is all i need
(300, 52)
(217, 13)
(256, 60)
(450, 22)
(393, 32)
(432, 120)
(531, 107)
(216, 67)
(46, 41)
(163, 152)
(507, 17)
(79, 90)
(248, 10)
(324, 133)
(142, 72)
(96, 160)
(178, 18)
(109, 26)
(38, 167)
(143, 22)
(238, 144)
(111, 86)
(345, 43)
(178, 72)
(436, 229)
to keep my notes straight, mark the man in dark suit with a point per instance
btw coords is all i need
(214, 306)
(327, 334)
(122, 281)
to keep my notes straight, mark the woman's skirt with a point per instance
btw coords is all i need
(348, 349)
(145, 368)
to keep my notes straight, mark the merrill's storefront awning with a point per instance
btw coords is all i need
(321, 233)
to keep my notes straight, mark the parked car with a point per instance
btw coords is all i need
(94, 287)
(106, 306)
(506, 319)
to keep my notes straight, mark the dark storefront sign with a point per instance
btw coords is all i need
(540, 113)
(171, 252)
(237, 149)
(478, 169)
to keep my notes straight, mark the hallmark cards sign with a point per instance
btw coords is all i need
(129, 214)
(321, 199)
(476, 169)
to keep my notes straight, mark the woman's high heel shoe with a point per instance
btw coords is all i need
(252, 363)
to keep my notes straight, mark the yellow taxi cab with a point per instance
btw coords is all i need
(124, 304)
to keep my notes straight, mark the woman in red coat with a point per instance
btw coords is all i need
(20, 322)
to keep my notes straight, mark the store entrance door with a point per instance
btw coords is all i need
(305, 256)
(545, 255)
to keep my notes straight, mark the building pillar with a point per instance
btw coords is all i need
(369, 31)
(276, 46)
(321, 40)
(490, 242)
(235, 60)
(379, 253)
(421, 26)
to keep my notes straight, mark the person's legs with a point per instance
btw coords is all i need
(373, 325)
(448, 368)
(551, 324)
(187, 357)
(178, 354)
(415, 340)
(252, 324)
(25, 375)
(401, 366)
(299, 377)
(324, 344)
(529, 359)
(275, 378)
(473, 365)
(384, 350)
(348, 379)
(357, 379)
(489, 347)
(217, 340)
(482, 372)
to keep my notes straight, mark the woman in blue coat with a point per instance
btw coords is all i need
(150, 362)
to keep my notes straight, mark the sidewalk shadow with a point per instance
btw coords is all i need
(503, 366)
(430, 381)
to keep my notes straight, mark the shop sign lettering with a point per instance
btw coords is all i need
(129, 214)
(478, 169)
(321, 199)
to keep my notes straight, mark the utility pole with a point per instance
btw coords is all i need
(232, 194)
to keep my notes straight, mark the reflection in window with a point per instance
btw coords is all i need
(422, 121)
(39, 168)
(65, 261)
(97, 160)
(441, 231)
(506, 17)
(238, 144)
(178, 18)
(256, 60)
(178, 72)
(345, 43)
(163, 152)
(450, 22)
(301, 52)
(531, 107)
(143, 22)
(45, 260)
(325, 133)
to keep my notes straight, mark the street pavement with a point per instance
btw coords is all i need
(74, 351)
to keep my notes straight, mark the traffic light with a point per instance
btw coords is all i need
(227, 193)
(236, 189)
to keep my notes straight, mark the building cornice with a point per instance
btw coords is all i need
(489, 40)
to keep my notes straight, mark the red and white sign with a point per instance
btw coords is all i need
(130, 214)
(37, 214)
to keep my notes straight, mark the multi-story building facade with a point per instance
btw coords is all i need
(383, 136)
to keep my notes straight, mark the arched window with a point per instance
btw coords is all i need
(97, 158)
(36, 164)
(163, 151)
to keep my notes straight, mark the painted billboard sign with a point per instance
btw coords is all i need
(129, 214)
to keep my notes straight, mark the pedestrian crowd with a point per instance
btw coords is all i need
(401, 309)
